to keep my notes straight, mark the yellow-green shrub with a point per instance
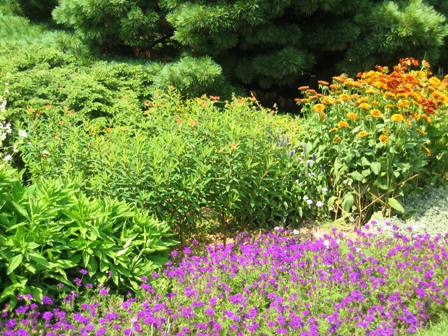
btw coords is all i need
(190, 162)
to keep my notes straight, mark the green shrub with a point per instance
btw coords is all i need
(193, 163)
(379, 137)
(50, 229)
(43, 77)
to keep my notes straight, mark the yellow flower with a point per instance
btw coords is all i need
(352, 116)
(364, 106)
(390, 95)
(334, 129)
(403, 103)
(329, 100)
(344, 97)
(362, 100)
(384, 138)
(427, 151)
(434, 81)
(319, 107)
(371, 91)
(397, 117)
(376, 113)
(342, 124)
(362, 134)
(390, 106)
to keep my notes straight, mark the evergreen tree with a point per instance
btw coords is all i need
(114, 25)
(270, 43)
(267, 45)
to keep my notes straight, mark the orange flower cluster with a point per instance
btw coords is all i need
(406, 96)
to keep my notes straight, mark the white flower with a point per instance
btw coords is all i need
(23, 133)
(326, 243)
(296, 232)
(305, 197)
(324, 190)
(319, 204)
(14, 148)
(309, 202)
(277, 228)
(3, 106)
(45, 152)
(7, 158)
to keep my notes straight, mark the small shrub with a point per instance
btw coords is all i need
(50, 229)
(47, 77)
(190, 162)
(380, 136)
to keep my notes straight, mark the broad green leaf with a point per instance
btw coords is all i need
(40, 260)
(376, 167)
(395, 205)
(348, 202)
(20, 209)
(14, 263)
(357, 176)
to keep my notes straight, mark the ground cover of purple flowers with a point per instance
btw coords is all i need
(274, 283)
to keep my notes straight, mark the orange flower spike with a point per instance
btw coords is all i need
(303, 88)
(334, 86)
(324, 83)
(179, 121)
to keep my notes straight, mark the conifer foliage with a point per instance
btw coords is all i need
(114, 24)
(265, 44)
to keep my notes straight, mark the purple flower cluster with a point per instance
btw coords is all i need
(271, 284)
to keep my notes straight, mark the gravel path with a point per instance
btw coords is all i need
(427, 214)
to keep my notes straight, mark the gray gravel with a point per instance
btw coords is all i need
(427, 213)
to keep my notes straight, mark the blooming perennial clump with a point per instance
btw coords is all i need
(275, 283)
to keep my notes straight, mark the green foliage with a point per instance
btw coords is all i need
(192, 163)
(46, 77)
(114, 24)
(51, 229)
(193, 77)
(38, 9)
(413, 29)
(379, 137)
(269, 44)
